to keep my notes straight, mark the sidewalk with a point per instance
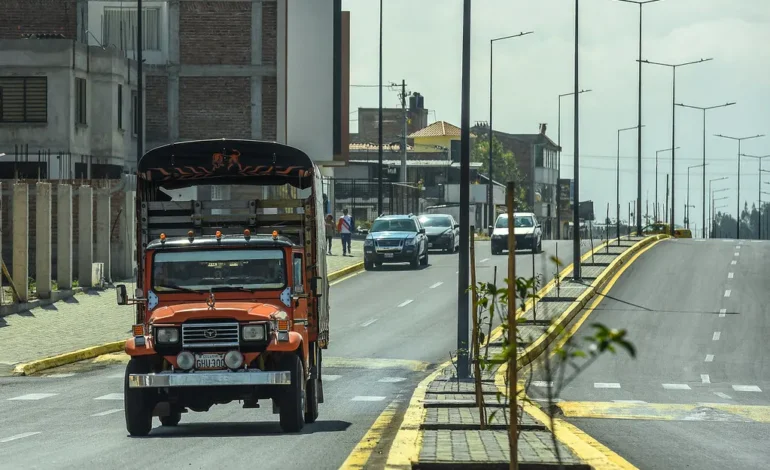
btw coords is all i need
(449, 433)
(90, 318)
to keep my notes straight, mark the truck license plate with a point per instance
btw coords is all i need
(430, 245)
(388, 255)
(209, 361)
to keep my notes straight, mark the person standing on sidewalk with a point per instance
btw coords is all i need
(329, 223)
(345, 228)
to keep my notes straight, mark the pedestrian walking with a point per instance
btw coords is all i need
(345, 228)
(329, 223)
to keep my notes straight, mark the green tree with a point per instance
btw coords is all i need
(504, 165)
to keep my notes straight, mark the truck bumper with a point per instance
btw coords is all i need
(208, 379)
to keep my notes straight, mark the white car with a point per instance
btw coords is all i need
(526, 229)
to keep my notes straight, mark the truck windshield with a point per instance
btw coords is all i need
(202, 270)
(393, 225)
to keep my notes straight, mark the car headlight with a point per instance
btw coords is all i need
(446, 235)
(368, 242)
(167, 335)
(409, 241)
(253, 333)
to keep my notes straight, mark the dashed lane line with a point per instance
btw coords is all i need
(723, 395)
(330, 377)
(405, 303)
(484, 260)
(542, 384)
(368, 323)
(737, 253)
(391, 380)
(60, 376)
(746, 388)
(734, 262)
(436, 285)
(704, 378)
(110, 396)
(716, 336)
(709, 358)
(18, 436)
(33, 396)
(367, 398)
(606, 385)
(730, 275)
(676, 387)
(728, 292)
(722, 312)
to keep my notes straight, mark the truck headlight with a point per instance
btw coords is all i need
(253, 333)
(368, 242)
(167, 335)
(409, 242)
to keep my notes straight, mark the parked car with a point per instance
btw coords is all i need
(526, 229)
(396, 239)
(442, 230)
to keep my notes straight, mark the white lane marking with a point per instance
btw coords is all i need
(727, 241)
(723, 395)
(728, 292)
(367, 398)
(737, 247)
(734, 262)
(34, 396)
(737, 253)
(709, 358)
(722, 312)
(637, 402)
(370, 322)
(61, 376)
(606, 385)
(436, 285)
(484, 260)
(704, 378)
(716, 336)
(405, 303)
(676, 387)
(746, 388)
(756, 241)
(18, 436)
(730, 275)
(108, 412)
(330, 377)
(542, 384)
(110, 396)
(116, 376)
(391, 380)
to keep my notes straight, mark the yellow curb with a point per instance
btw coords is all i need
(91, 352)
(68, 358)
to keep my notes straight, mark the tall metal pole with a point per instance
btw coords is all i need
(139, 83)
(380, 202)
(558, 164)
(576, 274)
(739, 139)
(759, 191)
(463, 369)
(404, 176)
(687, 206)
(617, 183)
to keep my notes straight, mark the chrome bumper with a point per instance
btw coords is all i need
(208, 379)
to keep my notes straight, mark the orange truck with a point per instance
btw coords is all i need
(232, 298)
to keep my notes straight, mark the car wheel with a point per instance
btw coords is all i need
(368, 265)
(424, 261)
(415, 262)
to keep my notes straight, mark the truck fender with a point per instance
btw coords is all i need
(295, 344)
(133, 350)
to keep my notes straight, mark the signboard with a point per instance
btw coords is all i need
(566, 193)
(586, 210)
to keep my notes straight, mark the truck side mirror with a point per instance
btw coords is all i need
(120, 289)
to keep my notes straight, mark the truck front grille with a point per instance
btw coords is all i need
(210, 335)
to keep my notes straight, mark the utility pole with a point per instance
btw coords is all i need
(139, 84)
(759, 192)
(403, 137)
(738, 213)
(666, 205)
(558, 158)
(576, 267)
(380, 202)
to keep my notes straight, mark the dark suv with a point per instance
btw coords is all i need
(396, 239)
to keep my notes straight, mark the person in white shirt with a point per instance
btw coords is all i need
(345, 229)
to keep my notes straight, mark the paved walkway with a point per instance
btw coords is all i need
(88, 319)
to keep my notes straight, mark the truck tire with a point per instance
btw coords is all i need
(311, 394)
(415, 263)
(368, 265)
(292, 402)
(138, 403)
(424, 261)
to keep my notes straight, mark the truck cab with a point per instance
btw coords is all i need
(231, 297)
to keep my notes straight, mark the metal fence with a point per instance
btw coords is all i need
(359, 197)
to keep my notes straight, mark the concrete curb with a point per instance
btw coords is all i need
(91, 352)
(56, 296)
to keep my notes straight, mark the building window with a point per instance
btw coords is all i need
(119, 28)
(135, 113)
(80, 101)
(24, 99)
(120, 107)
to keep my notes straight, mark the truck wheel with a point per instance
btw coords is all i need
(138, 403)
(415, 262)
(292, 403)
(424, 261)
(368, 265)
(172, 419)
(311, 413)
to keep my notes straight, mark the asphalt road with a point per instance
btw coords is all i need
(697, 394)
(388, 326)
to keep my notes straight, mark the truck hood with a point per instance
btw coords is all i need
(242, 311)
(391, 235)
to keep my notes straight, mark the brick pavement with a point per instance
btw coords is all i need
(88, 319)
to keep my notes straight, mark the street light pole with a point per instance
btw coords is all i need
(687, 212)
(759, 191)
(657, 215)
(738, 213)
(558, 163)
(711, 206)
(673, 67)
(490, 192)
(704, 150)
(380, 202)
(641, 3)
(576, 265)
(617, 183)
(139, 83)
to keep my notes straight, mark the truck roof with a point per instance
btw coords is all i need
(230, 241)
(227, 161)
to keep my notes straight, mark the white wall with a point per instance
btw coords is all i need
(96, 11)
(310, 77)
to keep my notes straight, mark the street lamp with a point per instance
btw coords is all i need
(715, 209)
(687, 212)
(759, 189)
(711, 195)
(558, 163)
(657, 215)
(576, 265)
(673, 68)
(617, 183)
(490, 192)
(738, 213)
(641, 3)
(380, 203)
(704, 151)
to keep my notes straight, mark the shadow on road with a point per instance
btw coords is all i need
(243, 429)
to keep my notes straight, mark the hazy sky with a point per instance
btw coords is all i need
(423, 44)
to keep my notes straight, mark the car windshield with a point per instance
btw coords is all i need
(202, 270)
(519, 221)
(393, 225)
(435, 221)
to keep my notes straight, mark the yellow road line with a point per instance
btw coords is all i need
(360, 455)
(667, 411)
